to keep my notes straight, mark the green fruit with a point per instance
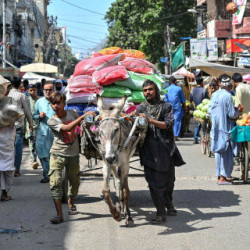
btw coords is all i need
(205, 101)
(199, 106)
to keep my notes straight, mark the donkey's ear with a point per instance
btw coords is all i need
(120, 106)
(99, 103)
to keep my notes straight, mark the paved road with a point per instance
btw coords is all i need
(209, 216)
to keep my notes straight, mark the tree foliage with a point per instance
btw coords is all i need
(140, 24)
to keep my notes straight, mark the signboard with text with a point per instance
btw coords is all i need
(204, 49)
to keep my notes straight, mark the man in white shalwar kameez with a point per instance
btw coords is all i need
(7, 148)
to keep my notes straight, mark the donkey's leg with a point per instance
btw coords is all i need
(118, 192)
(106, 191)
(129, 221)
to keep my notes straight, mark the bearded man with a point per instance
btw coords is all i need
(42, 112)
(159, 154)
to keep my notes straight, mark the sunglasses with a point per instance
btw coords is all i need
(48, 90)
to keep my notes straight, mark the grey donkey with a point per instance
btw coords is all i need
(113, 132)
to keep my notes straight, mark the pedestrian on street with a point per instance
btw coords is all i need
(223, 116)
(187, 116)
(159, 154)
(59, 86)
(242, 95)
(22, 104)
(198, 94)
(7, 147)
(175, 97)
(32, 135)
(42, 112)
(213, 86)
(64, 153)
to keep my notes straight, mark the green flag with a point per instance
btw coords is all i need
(178, 57)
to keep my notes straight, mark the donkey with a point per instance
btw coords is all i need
(113, 133)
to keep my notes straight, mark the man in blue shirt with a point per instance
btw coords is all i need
(177, 100)
(197, 95)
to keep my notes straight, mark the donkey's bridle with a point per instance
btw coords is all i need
(120, 145)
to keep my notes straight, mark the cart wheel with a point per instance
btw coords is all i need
(65, 186)
(245, 162)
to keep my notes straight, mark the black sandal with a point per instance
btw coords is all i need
(56, 220)
(72, 210)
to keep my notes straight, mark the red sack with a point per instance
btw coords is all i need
(110, 75)
(83, 83)
(138, 65)
(96, 54)
(89, 66)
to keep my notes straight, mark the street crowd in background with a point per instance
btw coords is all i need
(52, 135)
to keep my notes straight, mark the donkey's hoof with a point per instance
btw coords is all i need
(117, 217)
(129, 222)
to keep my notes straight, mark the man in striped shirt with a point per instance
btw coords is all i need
(23, 105)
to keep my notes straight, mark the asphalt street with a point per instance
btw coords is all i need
(210, 216)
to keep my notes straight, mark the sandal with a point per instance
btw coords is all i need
(6, 198)
(72, 210)
(158, 219)
(56, 220)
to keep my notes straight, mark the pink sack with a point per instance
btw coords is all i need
(88, 66)
(138, 65)
(110, 75)
(83, 83)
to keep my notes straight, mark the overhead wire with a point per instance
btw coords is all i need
(79, 7)
(80, 22)
(83, 39)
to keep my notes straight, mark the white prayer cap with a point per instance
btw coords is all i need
(225, 81)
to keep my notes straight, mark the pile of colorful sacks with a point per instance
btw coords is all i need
(111, 73)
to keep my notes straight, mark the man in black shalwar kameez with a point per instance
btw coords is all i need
(159, 154)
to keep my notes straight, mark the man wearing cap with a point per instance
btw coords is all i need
(59, 86)
(31, 135)
(223, 116)
(7, 143)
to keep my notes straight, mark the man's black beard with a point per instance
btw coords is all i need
(151, 101)
(58, 88)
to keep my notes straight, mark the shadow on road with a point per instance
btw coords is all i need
(192, 200)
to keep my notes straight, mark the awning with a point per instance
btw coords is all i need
(34, 78)
(246, 77)
(183, 72)
(216, 69)
(39, 67)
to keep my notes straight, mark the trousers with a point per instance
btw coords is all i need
(161, 187)
(6, 180)
(45, 166)
(18, 148)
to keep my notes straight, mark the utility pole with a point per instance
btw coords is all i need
(167, 42)
(4, 34)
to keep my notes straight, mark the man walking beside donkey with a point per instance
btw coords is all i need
(159, 154)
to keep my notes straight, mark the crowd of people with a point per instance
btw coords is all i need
(52, 135)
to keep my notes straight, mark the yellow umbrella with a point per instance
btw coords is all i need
(39, 67)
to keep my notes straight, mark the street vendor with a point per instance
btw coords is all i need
(223, 116)
(159, 154)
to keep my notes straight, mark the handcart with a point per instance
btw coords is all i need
(241, 135)
(205, 136)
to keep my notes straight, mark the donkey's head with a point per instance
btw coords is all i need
(110, 130)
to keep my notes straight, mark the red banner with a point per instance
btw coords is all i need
(238, 45)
